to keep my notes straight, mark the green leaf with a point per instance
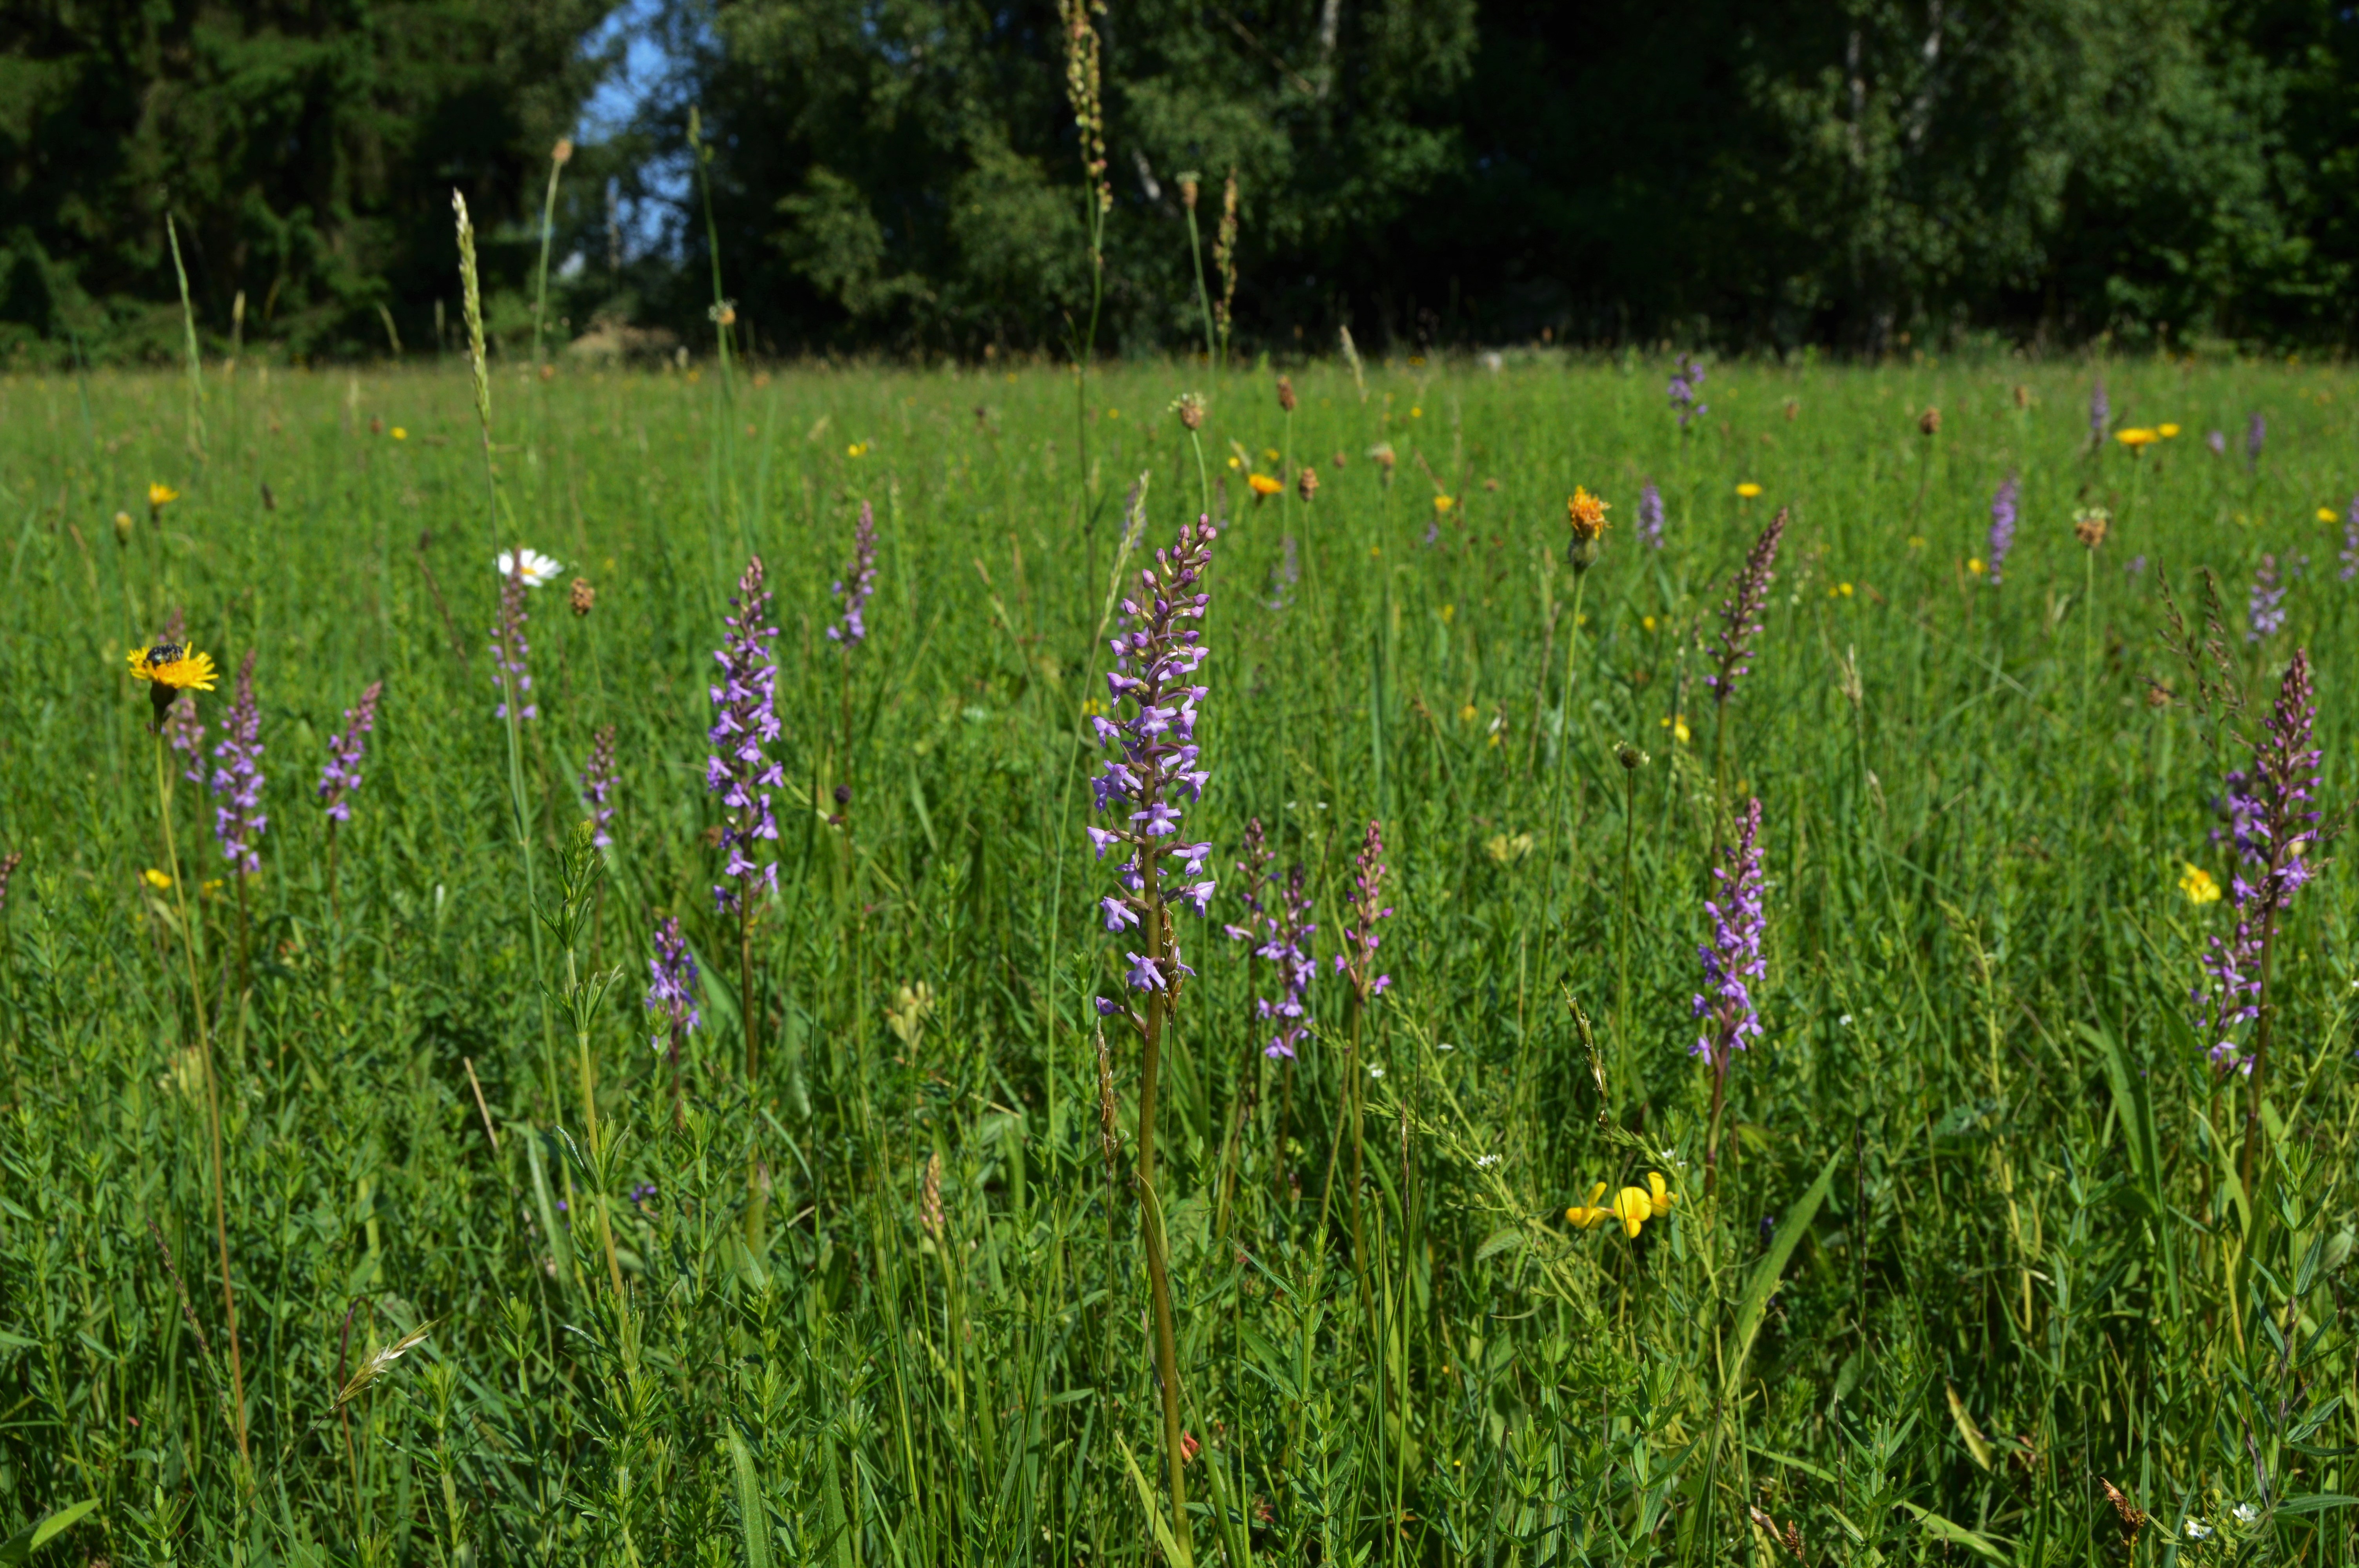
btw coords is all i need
(753, 1517)
(1500, 1240)
(1172, 1551)
(2317, 1503)
(1956, 1534)
(1766, 1272)
(20, 1547)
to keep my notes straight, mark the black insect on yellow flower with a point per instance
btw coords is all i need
(169, 670)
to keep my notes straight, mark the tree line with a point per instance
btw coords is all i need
(912, 176)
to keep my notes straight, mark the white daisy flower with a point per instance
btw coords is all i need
(2246, 1513)
(2198, 1531)
(529, 564)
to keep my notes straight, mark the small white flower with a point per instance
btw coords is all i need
(1844, 1022)
(1376, 1072)
(1444, 1045)
(2198, 1531)
(534, 567)
(1484, 1162)
(2246, 1513)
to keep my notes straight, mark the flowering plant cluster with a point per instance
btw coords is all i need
(744, 719)
(1285, 933)
(2273, 830)
(859, 581)
(238, 818)
(1152, 734)
(1363, 910)
(1687, 380)
(1650, 515)
(598, 787)
(1739, 613)
(671, 987)
(1733, 957)
(342, 775)
(2002, 528)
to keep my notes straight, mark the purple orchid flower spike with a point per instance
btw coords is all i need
(340, 778)
(1739, 613)
(1156, 761)
(858, 582)
(744, 719)
(1365, 908)
(1650, 515)
(598, 785)
(2002, 529)
(238, 818)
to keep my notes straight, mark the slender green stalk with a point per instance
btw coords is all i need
(212, 1094)
(512, 700)
(189, 333)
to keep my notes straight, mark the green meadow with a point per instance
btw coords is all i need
(1971, 1256)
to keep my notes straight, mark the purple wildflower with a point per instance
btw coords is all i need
(745, 718)
(1156, 751)
(186, 732)
(238, 820)
(598, 785)
(1358, 959)
(1650, 516)
(182, 727)
(2218, 442)
(671, 987)
(1733, 957)
(2101, 412)
(2002, 529)
(2264, 612)
(862, 575)
(511, 672)
(1739, 613)
(2351, 541)
(2274, 832)
(2135, 566)
(1687, 380)
(1285, 935)
(342, 775)
(2256, 430)
(9, 863)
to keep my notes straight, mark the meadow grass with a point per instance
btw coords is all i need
(1979, 1278)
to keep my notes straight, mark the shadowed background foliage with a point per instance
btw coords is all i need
(904, 177)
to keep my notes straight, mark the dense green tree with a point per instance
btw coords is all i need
(306, 153)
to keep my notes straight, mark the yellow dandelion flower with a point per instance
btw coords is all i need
(2168, 432)
(1113, 413)
(1844, 588)
(160, 495)
(1444, 502)
(1975, 565)
(857, 450)
(160, 880)
(1748, 490)
(1417, 413)
(1237, 462)
(2135, 437)
(2326, 515)
(1466, 714)
(2198, 885)
(1646, 622)
(1589, 1216)
(1263, 485)
(399, 434)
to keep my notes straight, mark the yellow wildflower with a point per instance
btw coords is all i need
(1975, 565)
(399, 434)
(1448, 614)
(2135, 437)
(2198, 885)
(169, 670)
(1585, 515)
(1466, 714)
(2168, 432)
(857, 450)
(1678, 725)
(1748, 490)
(1444, 502)
(160, 880)
(2326, 515)
(1588, 1215)
(1263, 485)
(160, 495)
